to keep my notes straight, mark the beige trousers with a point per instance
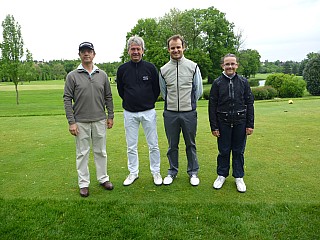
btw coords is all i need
(91, 134)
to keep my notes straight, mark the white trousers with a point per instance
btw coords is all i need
(148, 120)
(95, 133)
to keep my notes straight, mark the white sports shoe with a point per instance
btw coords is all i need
(130, 179)
(241, 186)
(194, 180)
(157, 179)
(168, 180)
(219, 182)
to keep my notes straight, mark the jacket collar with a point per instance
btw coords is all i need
(229, 77)
(179, 61)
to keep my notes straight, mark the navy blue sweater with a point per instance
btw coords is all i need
(138, 85)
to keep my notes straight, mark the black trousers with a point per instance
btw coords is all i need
(232, 140)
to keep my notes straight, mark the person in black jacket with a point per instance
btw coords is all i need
(138, 86)
(231, 116)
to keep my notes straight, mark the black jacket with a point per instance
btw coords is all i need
(138, 85)
(231, 101)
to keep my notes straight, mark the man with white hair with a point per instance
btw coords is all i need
(138, 86)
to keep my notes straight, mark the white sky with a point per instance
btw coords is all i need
(52, 30)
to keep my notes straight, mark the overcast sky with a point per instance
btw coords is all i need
(52, 30)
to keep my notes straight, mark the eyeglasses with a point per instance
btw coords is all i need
(230, 64)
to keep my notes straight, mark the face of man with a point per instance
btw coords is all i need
(86, 55)
(176, 49)
(230, 65)
(135, 51)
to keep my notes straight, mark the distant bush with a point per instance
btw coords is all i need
(206, 93)
(260, 93)
(275, 80)
(272, 93)
(293, 87)
(286, 85)
(263, 93)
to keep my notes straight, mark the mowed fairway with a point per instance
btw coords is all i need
(40, 197)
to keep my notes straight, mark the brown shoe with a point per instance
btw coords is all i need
(84, 192)
(107, 185)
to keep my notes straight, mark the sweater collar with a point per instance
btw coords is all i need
(132, 62)
(95, 69)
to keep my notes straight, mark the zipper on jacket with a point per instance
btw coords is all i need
(231, 95)
(178, 86)
(137, 73)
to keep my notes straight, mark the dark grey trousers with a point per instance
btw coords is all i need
(174, 123)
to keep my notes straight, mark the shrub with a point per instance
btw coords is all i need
(260, 93)
(272, 93)
(206, 94)
(286, 85)
(275, 80)
(263, 93)
(292, 87)
(311, 74)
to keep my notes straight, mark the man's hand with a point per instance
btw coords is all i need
(109, 123)
(73, 129)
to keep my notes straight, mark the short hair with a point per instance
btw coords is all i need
(229, 55)
(137, 40)
(175, 37)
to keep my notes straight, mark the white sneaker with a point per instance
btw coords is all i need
(157, 179)
(194, 180)
(168, 180)
(241, 186)
(219, 182)
(130, 179)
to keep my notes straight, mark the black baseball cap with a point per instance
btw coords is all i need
(86, 45)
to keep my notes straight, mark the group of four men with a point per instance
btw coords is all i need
(87, 94)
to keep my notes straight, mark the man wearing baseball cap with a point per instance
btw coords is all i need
(84, 45)
(87, 94)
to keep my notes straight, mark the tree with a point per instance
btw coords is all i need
(12, 51)
(27, 69)
(287, 67)
(311, 75)
(57, 71)
(218, 38)
(154, 38)
(249, 62)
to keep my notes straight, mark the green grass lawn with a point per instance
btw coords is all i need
(40, 197)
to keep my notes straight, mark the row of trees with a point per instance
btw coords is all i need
(208, 35)
(288, 67)
(58, 69)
